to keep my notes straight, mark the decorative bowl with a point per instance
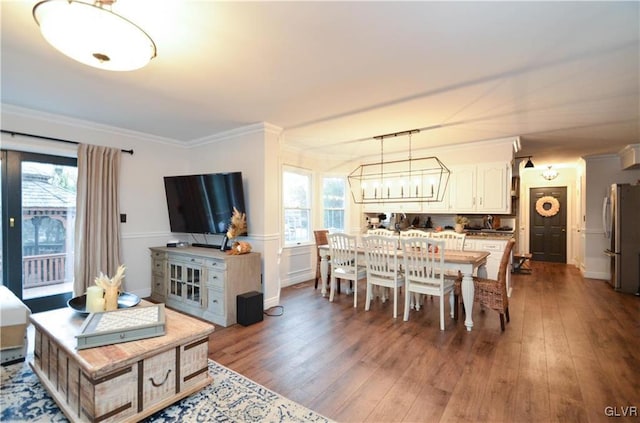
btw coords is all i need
(125, 300)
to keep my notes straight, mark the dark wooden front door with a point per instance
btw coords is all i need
(548, 234)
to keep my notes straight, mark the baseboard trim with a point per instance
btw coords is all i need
(596, 275)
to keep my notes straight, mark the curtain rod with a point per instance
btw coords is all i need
(13, 133)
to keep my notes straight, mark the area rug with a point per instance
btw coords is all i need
(230, 398)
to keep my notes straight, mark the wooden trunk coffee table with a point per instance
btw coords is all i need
(120, 382)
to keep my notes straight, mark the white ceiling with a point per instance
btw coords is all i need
(562, 76)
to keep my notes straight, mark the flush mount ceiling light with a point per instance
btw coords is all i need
(549, 173)
(395, 181)
(93, 34)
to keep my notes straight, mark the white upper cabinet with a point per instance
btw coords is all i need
(493, 188)
(463, 194)
(483, 188)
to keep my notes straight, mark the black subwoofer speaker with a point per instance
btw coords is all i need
(249, 307)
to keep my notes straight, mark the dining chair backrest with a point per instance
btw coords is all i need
(320, 237)
(414, 233)
(492, 293)
(424, 272)
(423, 260)
(381, 256)
(383, 269)
(344, 254)
(380, 232)
(453, 240)
(504, 263)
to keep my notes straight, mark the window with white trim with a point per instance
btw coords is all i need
(296, 197)
(333, 203)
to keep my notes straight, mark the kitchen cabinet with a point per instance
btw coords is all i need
(463, 193)
(478, 189)
(203, 282)
(403, 207)
(483, 188)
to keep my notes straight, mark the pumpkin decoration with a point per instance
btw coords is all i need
(239, 247)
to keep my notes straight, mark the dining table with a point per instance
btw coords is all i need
(467, 262)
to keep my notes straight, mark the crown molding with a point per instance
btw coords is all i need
(58, 120)
(254, 128)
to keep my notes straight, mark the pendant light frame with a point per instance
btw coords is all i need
(398, 181)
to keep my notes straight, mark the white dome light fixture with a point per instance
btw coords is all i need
(94, 35)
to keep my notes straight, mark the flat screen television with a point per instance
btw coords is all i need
(203, 204)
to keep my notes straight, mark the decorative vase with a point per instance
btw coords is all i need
(459, 228)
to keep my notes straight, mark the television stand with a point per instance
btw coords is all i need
(203, 282)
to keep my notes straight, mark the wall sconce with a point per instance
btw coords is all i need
(549, 173)
(529, 163)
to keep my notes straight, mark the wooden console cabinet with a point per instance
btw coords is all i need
(203, 282)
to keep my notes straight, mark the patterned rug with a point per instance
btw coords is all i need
(230, 398)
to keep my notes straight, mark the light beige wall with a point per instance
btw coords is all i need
(567, 177)
(252, 150)
(142, 195)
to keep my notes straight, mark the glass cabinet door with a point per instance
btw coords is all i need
(192, 285)
(175, 279)
(184, 283)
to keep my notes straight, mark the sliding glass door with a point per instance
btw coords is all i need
(38, 211)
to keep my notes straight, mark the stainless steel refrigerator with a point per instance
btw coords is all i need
(621, 219)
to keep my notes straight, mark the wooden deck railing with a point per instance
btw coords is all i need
(44, 269)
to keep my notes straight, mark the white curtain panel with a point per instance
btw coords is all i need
(97, 235)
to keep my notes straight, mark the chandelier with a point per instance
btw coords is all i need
(549, 173)
(93, 34)
(392, 181)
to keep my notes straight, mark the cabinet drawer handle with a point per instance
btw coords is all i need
(156, 385)
(214, 301)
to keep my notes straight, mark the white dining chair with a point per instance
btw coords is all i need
(411, 233)
(344, 263)
(423, 260)
(381, 232)
(453, 240)
(383, 268)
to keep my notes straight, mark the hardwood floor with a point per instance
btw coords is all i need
(571, 350)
